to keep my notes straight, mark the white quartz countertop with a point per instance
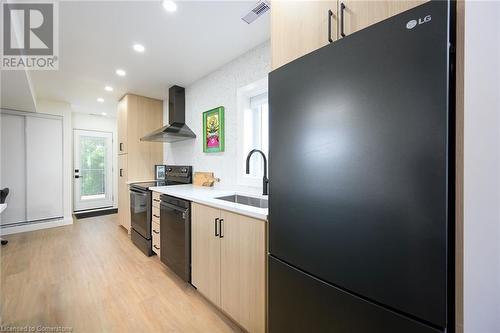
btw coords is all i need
(206, 196)
(140, 181)
(2, 207)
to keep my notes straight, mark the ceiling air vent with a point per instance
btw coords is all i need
(261, 7)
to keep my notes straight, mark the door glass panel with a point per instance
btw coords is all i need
(93, 167)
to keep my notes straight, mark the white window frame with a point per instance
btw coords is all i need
(243, 96)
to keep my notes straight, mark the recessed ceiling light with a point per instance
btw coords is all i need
(104, 113)
(108, 88)
(169, 5)
(121, 72)
(139, 48)
(100, 100)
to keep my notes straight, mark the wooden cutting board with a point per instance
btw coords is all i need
(204, 179)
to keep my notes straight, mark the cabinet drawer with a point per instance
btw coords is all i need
(156, 244)
(156, 200)
(156, 228)
(156, 214)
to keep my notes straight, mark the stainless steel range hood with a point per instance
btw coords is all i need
(176, 130)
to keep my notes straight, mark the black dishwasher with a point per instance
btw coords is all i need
(175, 236)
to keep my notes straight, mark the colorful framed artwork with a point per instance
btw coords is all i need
(213, 130)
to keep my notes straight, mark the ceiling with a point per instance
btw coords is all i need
(96, 38)
(16, 91)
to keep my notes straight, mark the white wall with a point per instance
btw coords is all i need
(218, 89)
(482, 167)
(91, 122)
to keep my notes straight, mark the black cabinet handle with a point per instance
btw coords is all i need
(156, 232)
(221, 228)
(330, 14)
(216, 222)
(121, 172)
(76, 176)
(156, 200)
(121, 146)
(156, 247)
(342, 8)
(156, 216)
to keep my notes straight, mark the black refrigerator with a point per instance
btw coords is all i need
(361, 181)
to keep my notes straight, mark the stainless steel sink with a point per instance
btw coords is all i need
(244, 200)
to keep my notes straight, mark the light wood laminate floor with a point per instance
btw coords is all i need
(89, 276)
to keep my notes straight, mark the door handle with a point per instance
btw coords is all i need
(121, 172)
(156, 232)
(121, 146)
(342, 9)
(330, 14)
(156, 216)
(216, 222)
(221, 222)
(156, 247)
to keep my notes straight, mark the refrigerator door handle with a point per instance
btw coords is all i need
(330, 14)
(342, 8)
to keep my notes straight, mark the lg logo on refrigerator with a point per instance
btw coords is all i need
(413, 23)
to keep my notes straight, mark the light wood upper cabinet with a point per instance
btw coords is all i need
(205, 252)
(228, 263)
(361, 14)
(122, 126)
(144, 115)
(243, 270)
(300, 27)
(137, 116)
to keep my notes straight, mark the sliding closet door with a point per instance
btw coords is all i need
(44, 168)
(13, 167)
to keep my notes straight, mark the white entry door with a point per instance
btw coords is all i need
(93, 168)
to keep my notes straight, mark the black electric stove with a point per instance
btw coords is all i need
(140, 204)
(146, 185)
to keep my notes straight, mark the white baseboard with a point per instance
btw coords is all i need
(35, 226)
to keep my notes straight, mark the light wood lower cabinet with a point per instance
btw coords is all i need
(123, 193)
(155, 231)
(156, 200)
(229, 263)
(243, 270)
(205, 252)
(155, 225)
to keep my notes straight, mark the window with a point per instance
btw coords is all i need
(253, 117)
(92, 167)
